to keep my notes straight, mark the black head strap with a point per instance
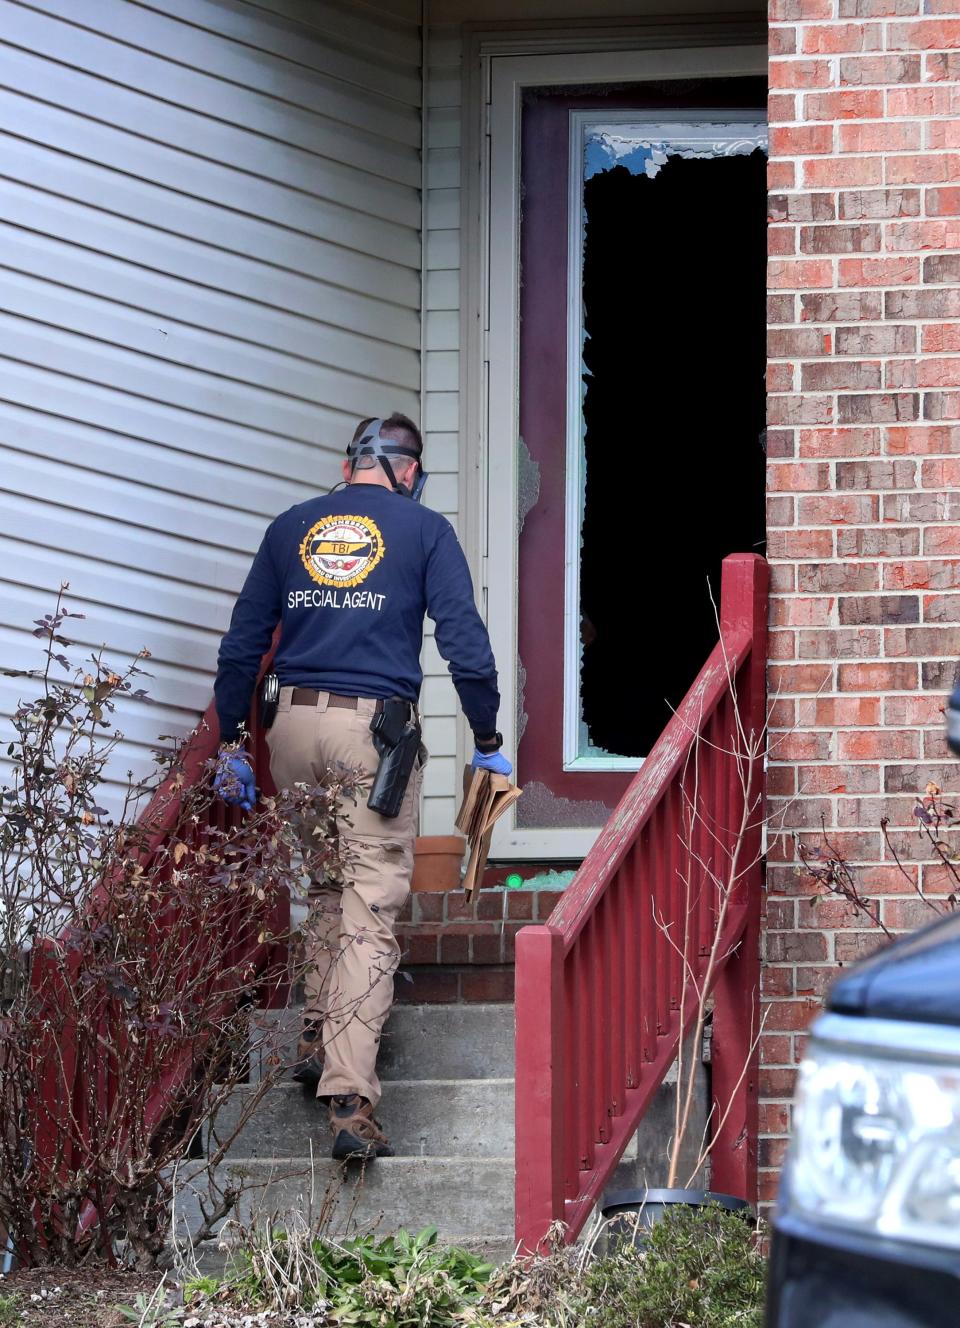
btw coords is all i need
(371, 443)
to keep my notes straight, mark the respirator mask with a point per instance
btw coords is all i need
(371, 443)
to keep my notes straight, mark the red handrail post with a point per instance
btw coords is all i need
(579, 1097)
(539, 1086)
(736, 1017)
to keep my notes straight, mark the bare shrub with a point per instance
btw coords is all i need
(131, 947)
(937, 823)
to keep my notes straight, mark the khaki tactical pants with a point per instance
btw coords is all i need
(351, 951)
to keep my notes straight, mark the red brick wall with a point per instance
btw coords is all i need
(864, 470)
(455, 951)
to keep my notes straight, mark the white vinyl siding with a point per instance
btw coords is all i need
(441, 334)
(210, 251)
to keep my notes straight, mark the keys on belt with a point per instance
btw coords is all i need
(309, 696)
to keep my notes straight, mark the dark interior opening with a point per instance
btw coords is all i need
(673, 291)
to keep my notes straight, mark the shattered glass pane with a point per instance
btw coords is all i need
(522, 715)
(528, 483)
(644, 149)
(542, 809)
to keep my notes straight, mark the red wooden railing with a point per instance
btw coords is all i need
(607, 991)
(248, 938)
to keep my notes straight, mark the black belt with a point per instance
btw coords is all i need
(308, 696)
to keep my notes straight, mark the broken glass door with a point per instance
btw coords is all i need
(641, 409)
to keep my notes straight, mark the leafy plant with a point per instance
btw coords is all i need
(696, 1268)
(397, 1281)
(410, 1280)
(150, 1311)
(200, 1286)
(9, 1309)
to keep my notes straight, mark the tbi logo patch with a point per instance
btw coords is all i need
(342, 550)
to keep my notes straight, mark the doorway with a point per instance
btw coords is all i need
(634, 322)
(673, 416)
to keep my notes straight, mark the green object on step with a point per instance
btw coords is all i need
(514, 881)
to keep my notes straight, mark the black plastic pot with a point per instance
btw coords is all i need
(629, 1213)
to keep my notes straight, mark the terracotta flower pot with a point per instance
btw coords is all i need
(436, 862)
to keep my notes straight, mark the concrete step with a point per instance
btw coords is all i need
(418, 1042)
(468, 1199)
(448, 1108)
(422, 1117)
(448, 1042)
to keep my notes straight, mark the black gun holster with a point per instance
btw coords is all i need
(396, 736)
(269, 700)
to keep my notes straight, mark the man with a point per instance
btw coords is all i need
(349, 577)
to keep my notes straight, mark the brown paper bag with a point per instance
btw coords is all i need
(486, 796)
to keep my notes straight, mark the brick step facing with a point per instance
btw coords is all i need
(448, 1109)
(442, 928)
(453, 952)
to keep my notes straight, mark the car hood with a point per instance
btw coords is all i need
(917, 978)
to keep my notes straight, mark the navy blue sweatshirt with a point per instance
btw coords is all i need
(350, 576)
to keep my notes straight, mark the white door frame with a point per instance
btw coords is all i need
(490, 343)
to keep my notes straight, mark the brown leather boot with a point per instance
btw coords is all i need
(355, 1132)
(308, 1067)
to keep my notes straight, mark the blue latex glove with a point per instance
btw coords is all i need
(952, 716)
(495, 761)
(234, 780)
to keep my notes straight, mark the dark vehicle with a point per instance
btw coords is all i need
(867, 1231)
